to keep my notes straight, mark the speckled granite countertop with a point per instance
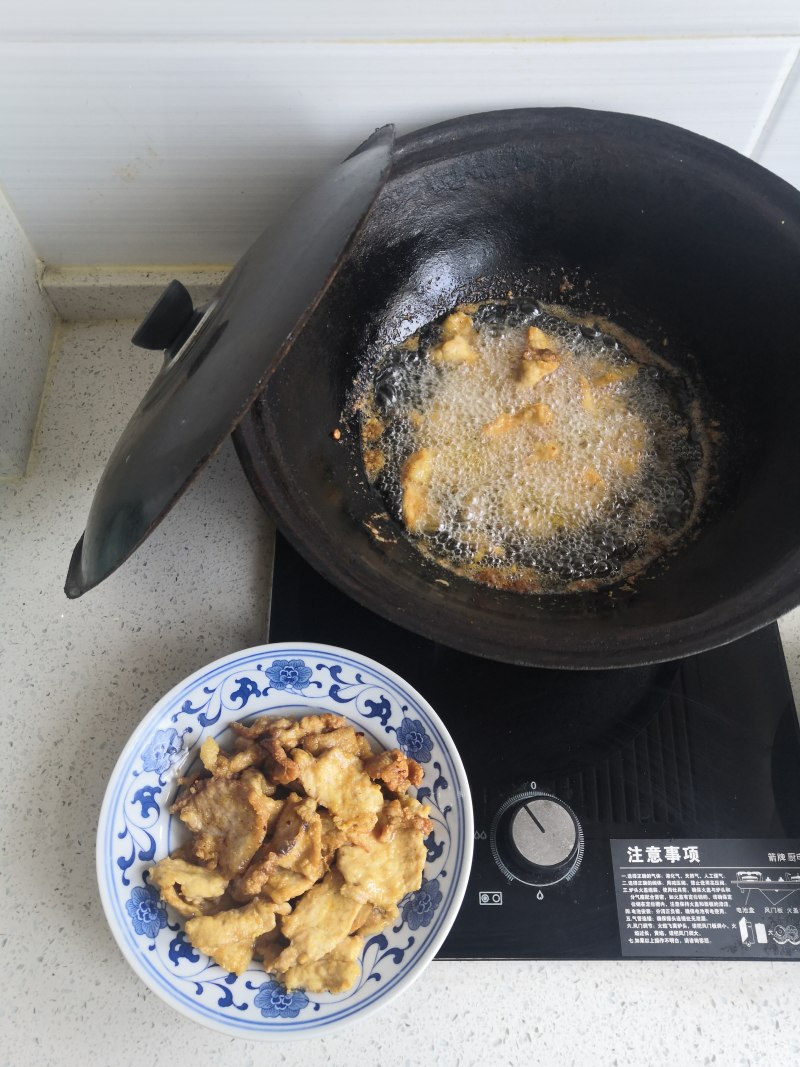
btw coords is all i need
(80, 675)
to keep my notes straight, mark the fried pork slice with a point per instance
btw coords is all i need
(189, 889)
(338, 781)
(229, 818)
(532, 415)
(395, 770)
(364, 747)
(537, 340)
(614, 375)
(281, 768)
(382, 872)
(291, 731)
(538, 359)
(332, 838)
(283, 885)
(286, 734)
(455, 350)
(344, 738)
(371, 920)
(458, 340)
(458, 324)
(334, 973)
(268, 947)
(415, 479)
(310, 724)
(297, 840)
(259, 727)
(532, 368)
(406, 813)
(222, 765)
(229, 937)
(295, 845)
(321, 919)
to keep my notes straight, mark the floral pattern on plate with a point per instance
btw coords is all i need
(136, 829)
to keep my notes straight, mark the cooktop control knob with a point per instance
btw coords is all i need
(537, 839)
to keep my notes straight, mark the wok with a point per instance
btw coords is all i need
(669, 234)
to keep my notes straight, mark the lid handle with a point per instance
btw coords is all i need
(169, 321)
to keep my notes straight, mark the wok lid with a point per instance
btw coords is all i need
(218, 359)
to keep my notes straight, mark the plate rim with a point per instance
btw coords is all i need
(461, 786)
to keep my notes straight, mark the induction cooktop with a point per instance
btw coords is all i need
(637, 812)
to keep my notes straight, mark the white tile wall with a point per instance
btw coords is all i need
(26, 325)
(779, 148)
(84, 294)
(406, 19)
(130, 152)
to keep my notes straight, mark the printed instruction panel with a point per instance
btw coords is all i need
(715, 898)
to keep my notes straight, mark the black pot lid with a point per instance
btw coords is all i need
(218, 359)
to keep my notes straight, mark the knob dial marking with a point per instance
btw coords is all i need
(536, 839)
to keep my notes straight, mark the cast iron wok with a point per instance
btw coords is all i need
(673, 236)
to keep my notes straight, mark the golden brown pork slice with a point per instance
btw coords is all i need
(338, 781)
(189, 889)
(284, 735)
(345, 738)
(277, 763)
(415, 479)
(533, 368)
(332, 838)
(371, 920)
(229, 938)
(616, 375)
(290, 731)
(269, 946)
(334, 973)
(283, 885)
(223, 765)
(538, 359)
(458, 340)
(538, 414)
(229, 818)
(259, 727)
(382, 872)
(297, 838)
(455, 350)
(458, 324)
(405, 813)
(395, 770)
(295, 845)
(321, 919)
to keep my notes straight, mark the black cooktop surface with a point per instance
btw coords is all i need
(683, 780)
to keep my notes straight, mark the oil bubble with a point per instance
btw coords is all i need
(585, 475)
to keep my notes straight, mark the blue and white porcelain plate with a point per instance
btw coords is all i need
(136, 829)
